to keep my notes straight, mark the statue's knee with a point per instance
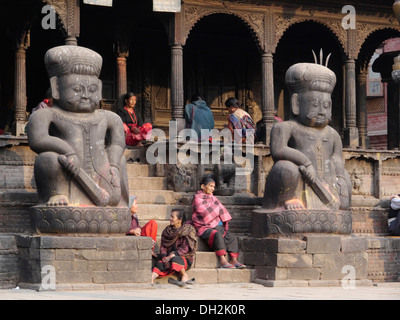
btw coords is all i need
(287, 170)
(47, 162)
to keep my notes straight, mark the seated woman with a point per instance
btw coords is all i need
(148, 230)
(210, 218)
(394, 215)
(178, 248)
(135, 130)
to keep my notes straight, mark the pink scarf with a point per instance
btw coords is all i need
(208, 211)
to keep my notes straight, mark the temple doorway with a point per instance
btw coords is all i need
(222, 60)
(295, 46)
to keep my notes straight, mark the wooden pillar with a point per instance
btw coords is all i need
(362, 108)
(177, 97)
(122, 79)
(351, 136)
(393, 114)
(267, 96)
(20, 98)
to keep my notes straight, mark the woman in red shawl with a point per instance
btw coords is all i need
(178, 248)
(210, 218)
(135, 130)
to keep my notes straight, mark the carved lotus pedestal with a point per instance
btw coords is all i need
(272, 222)
(80, 220)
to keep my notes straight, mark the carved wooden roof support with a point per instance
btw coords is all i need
(69, 14)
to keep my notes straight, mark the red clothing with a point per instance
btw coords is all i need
(149, 229)
(132, 139)
(132, 120)
(208, 211)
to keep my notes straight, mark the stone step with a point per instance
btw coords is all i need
(154, 211)
(140, 170)
(154, 196)
(147, 183)
(216, 276)
(19, 196)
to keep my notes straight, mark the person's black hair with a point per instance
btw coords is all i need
(129, 95)
(232, 102)
(196, 97)
(207, 179)
(181, 214)
(48, 94)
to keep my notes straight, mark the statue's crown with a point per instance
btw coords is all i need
(311, 76)
(72, 60)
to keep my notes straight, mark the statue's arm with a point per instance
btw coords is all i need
(116, 136)
(337, 155)
(280, 136)
(39, 138)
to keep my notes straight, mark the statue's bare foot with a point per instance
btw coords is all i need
(294, 204)
(57, 200)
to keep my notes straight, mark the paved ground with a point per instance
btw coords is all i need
(383, 291)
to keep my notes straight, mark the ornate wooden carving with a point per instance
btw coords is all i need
(193, 13)
(68, 12)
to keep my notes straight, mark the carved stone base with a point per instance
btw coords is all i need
(82, 220)
(270, 222)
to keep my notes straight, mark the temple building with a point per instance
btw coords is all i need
(217, 48)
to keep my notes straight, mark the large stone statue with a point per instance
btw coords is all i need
(308, 185)
(80, 163)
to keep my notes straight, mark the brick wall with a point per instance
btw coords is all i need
(370, 221)
(384, 259)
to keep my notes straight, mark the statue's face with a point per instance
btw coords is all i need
(315, 108)
(79, 93)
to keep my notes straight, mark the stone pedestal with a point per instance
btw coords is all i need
(9, 262)
(80, 220)
(310, 260)
(270, 222)
(77, 263)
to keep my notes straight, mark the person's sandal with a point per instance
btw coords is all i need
(228, 266)
(176, 282)
(240, 266)
(191, 281)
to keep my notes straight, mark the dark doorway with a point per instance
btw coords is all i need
(221, 60)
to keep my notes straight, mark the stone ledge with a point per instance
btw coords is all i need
(79, 261)
(309, 283)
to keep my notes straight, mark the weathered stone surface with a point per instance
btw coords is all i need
(273, 245)
(270, 222)
(96, 260)
(354, 244)
(323, 244)
(294, 260)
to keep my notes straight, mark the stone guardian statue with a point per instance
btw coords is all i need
(308, 185)
(80, 162)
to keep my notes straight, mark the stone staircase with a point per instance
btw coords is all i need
(155, 203)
